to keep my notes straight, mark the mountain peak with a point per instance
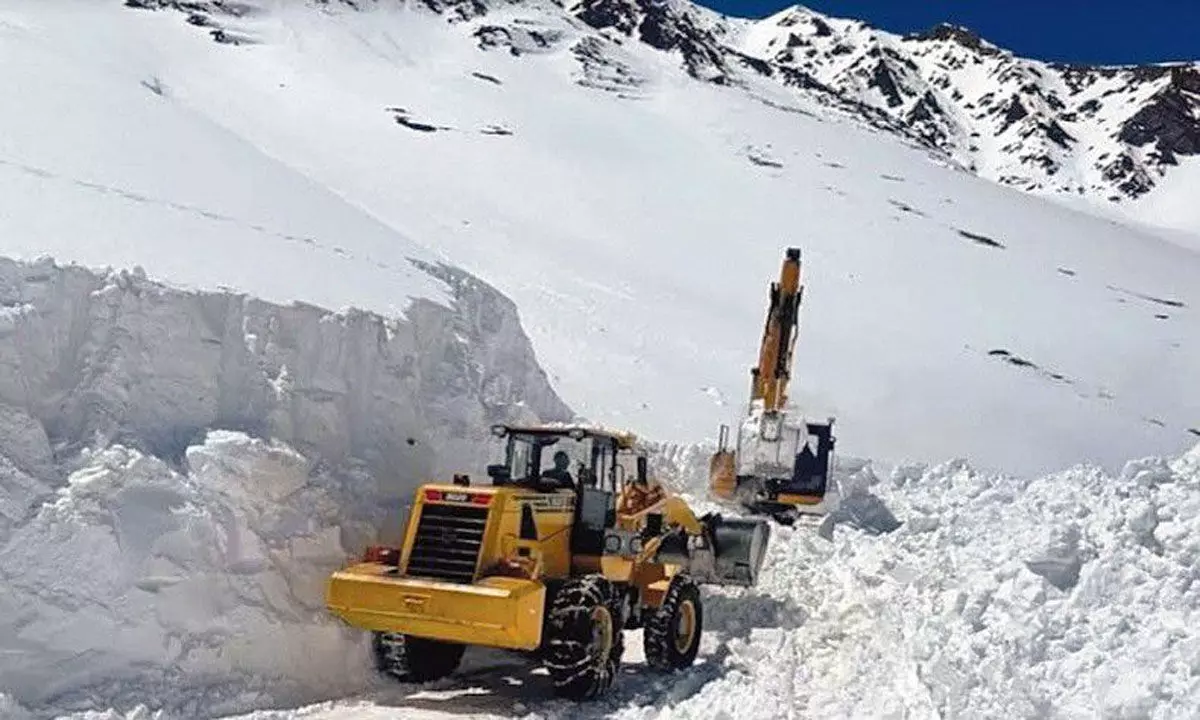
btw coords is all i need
(962, 35)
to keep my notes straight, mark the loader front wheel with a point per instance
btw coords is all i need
(585, 638)
(414, 659)
(672, 635)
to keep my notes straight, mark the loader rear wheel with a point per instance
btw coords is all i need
(415, 659)
(672, 635)
(585, 638)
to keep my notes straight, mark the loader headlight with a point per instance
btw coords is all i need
(612, 543)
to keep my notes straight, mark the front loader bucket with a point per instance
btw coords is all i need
(741, 545)
(733, 556)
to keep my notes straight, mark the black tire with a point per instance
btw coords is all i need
(584, 638)
(672, 634)
(435, 659)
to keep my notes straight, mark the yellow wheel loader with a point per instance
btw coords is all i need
(570, 544)
(780, 464)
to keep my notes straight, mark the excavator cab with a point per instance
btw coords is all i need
(810, 474)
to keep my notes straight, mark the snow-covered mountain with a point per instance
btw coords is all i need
(1121, 139)
(1116, 133)
(349, 235)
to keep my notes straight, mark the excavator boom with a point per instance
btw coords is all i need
(771, 375)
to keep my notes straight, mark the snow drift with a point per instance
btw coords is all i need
(139, 582)
(1069, 595)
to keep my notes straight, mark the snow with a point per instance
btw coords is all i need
(209, 576)
(219, 196)
(181, 465)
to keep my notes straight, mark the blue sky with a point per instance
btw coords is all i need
(1088, 31)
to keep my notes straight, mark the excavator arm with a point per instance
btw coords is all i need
(770, 377)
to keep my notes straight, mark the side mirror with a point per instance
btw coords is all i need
(641, 470)
(499, 474)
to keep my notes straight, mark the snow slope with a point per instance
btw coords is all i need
(636, 215)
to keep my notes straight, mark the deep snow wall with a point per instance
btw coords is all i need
(179, 471)
(88, 359)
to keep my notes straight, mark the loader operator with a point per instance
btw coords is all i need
(560, 472)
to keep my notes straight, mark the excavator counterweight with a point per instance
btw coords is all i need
(780, 463)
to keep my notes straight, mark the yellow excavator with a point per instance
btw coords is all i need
(569, 545)
(780, 464)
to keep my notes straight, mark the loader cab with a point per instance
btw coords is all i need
(596, 460)
(601, 464)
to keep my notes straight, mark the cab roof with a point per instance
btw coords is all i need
(623, 439)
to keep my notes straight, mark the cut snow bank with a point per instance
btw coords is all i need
(1072, 595)
(179, 471)
(89, 359)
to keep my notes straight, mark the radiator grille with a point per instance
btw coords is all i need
(448, 541)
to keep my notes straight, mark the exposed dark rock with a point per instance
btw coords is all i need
(961, 35)
(600, 14)
(413, 124)
(457, 10)
(1131, 178)
(1148, 298)
(883, 79)
(762, 67)
(924, 118)
(493, 36)
(401, 117)
(661, 27)
(1013, 359)
(905, 207)
(1170, 119)
(1057, 134)
(981, 239)
(602, 72)
(762, 160)
(1015, 112)
(925, 107)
